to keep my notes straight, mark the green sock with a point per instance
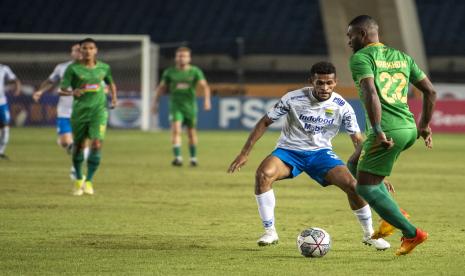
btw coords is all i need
(78, 158)
(193, 150)
(93, 161)
(386, 207)
(352, 168)
(177, 151)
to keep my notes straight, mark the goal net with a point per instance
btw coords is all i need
(32, 57)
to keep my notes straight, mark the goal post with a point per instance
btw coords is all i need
(133, 59)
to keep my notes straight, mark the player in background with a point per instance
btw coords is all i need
(65, 103)
(314, 116)
(6, 77)
(181, 81)
(85, 79)
(381, 75)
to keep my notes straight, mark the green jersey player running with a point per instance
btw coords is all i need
(381, 75)
(85, 80)
(181, 82)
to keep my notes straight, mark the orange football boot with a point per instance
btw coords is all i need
(409, 244)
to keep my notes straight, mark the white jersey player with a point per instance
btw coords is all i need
(313, 117)
(65, 103)
(6, 76)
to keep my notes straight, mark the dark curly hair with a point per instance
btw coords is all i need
(322, 67)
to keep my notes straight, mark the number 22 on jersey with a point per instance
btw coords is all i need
(393, 86)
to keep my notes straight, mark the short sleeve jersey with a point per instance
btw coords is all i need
(91, 81)
(65, 103)
(5, 75)
(182, 84)
(311, 124)
(392, 71)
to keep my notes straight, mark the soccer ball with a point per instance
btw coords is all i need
(313, 242)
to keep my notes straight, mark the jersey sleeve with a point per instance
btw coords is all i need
(67, 78)
(9, 75)
(108, 76)
(361, 67)
(416, 74)
(280, 109)
(165, 77)
(199, 74)
(349, 120)
(55, 75)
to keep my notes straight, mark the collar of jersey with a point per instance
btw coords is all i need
(374, 44)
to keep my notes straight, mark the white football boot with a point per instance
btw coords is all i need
(379, 244)
(268, 238)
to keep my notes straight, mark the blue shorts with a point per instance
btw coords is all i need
(4, 114)
(63, 126)
(314, 163)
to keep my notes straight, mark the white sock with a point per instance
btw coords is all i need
(364, 217)
(4, 137)
(266, 203)
(86, 153)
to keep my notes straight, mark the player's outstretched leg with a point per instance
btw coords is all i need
(341, 177)
(388, 209)
(385, 229)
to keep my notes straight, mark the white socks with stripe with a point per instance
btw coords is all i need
(266, 203)
(364, 217)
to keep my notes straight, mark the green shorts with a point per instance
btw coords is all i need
(186, 115)
(377, 160)
(93, 129)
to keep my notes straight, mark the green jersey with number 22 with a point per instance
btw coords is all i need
(392, 70)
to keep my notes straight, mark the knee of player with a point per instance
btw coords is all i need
(265, 175)
(96, 145)
(347, 184)
(351, 183)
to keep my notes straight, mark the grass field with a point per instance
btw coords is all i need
(150, 218)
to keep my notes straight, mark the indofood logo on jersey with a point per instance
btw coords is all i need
(310, 121)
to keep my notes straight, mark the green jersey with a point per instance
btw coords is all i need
(392, 70)
(92, 82)
(182, 83)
